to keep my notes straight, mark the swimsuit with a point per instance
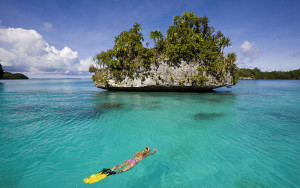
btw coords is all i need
(132, 161)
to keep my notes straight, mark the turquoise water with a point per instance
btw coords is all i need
(55, 133)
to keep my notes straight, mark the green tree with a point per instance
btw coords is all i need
(128, 47)
(156, 36)
(136, 28)
(224, 42)
(105, 59)
(190, 38)
(158, 39)
(93, 69)
(127, 55)
(256, 72)
(232, 57)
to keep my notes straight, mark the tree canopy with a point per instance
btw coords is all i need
(190, 38)
(8, 75)
(258, 74)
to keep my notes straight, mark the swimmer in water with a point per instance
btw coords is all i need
(130, 163)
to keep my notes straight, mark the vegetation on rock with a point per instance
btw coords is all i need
(189, 39)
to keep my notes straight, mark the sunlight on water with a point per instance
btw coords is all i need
(55, 133)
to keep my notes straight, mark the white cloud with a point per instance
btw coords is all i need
(47, 26)
(84, 64)
(24, 50)
(249, 53)
(249, 50)
(6, 57)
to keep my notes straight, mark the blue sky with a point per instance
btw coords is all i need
(265, 34)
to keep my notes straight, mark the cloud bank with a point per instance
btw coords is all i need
(24, 50)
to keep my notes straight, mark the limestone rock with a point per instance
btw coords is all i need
(163, 77)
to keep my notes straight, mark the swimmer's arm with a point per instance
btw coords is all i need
(155, 150)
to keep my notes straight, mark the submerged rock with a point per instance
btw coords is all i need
(248, 183)
(205, 116)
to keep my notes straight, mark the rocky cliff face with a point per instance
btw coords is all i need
(188, 76)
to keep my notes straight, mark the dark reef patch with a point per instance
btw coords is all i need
(207, 116)
(248, 183)
(29, 108)
(241, 109)
(99, 109)
(67, 112)
(153, 107)
(87, 113)
(91, 113)
(284, 115)
(155, 102)
(276, 114)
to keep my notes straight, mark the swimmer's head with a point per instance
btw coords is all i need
(146, 150)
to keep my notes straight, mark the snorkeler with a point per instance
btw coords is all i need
(132, 162)
(128, 164)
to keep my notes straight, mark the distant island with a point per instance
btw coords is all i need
(8, 75)
(258, 74)
(189, 58)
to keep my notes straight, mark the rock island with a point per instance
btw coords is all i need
(189, 58)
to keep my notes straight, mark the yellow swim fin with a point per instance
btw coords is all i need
(97, 177)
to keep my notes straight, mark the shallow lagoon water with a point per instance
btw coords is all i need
(55, 133)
